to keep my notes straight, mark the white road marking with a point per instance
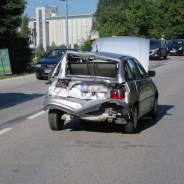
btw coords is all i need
(36, 115)
(5, 130)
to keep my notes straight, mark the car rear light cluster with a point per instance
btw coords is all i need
(117, 94)
(61, 84)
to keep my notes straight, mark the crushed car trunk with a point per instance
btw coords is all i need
(89, 88)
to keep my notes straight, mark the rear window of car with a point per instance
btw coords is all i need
(94, 68)
(155, 42)
(175, 43)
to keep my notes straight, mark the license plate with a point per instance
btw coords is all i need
(47, 70)
(94, 88)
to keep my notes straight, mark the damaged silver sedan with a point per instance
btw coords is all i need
(101, 86)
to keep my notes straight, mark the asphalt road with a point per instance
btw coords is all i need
(88, 153)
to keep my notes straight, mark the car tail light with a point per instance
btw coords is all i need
(117, 94)
(61, 84)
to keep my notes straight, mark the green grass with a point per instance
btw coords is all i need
(7, 76)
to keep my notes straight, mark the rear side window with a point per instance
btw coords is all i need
(142, 72)
(135, 71)
(176, 43)
(155, 43)
(128, 73)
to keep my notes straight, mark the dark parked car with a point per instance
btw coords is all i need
(158, 49)
(101, 86)
(44, 66)
(176, 47)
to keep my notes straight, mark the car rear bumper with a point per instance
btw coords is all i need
(175, 53)
(94, 110)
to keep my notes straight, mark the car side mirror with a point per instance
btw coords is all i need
(151, 73)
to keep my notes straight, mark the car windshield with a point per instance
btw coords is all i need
(175, 43)
(154, 43)
(55, 54)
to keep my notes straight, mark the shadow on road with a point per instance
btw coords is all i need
(12, 99)
(102, 127)
(162, 59)
(144, 123)
(147, 122)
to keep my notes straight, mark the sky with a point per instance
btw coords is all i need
(75, 7)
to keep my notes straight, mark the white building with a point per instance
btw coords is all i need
(50, 29)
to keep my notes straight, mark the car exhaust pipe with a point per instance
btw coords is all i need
(110, 120)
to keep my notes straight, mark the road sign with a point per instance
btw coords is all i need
(5, 66)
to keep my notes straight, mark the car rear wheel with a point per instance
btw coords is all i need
(55, 121)
(131, 126)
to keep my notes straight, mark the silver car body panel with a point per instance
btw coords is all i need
(87, 96)
(80, 107)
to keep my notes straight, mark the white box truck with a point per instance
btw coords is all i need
(126, 45)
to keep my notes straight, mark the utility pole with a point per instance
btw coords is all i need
(66, 22)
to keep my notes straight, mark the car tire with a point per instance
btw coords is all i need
(165, 57)
(131, 126)
(39, 78)
(153, 112)
(55, 121)
(159, 56)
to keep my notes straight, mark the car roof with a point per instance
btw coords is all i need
(176, 40)
(111, 55)
(64, 49)
(155, 39)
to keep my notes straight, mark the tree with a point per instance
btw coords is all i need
(13, 39)
(86, 45)
(115, 18)
(145, 18)
(20, 54)
(142, 17)
(25, 32)
(123, 18)
(10, 16)
(173, 18)
(40, 52)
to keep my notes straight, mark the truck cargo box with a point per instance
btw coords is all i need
(127, 45)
